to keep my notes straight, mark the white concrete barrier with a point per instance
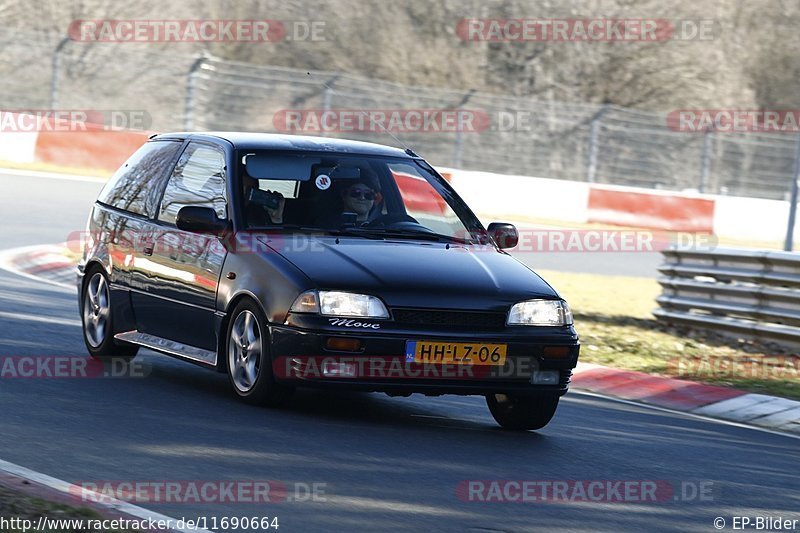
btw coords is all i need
(16, 146)
(521, 197)
(495, 196)
(492, 196)
(752, 219)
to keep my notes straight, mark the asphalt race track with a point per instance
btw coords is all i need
(386, 463)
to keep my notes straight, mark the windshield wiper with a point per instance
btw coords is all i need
(367, 233)
(345, 231)
(348, 231)
(408, 234)
(298, 227)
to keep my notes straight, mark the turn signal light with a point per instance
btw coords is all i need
(342, 344)
(556, 352)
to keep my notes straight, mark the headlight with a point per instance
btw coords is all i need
(337, 303)
(540, 313)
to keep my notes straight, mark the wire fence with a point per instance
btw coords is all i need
(181, 89)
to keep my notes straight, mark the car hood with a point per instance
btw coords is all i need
(415, 274)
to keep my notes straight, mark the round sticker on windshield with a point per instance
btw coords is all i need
(323, 182)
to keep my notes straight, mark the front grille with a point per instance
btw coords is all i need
(480, 320)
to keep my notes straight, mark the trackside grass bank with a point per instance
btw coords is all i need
(613, 317)
(19, 511)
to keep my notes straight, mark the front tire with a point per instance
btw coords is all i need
(249, 362)
(97, 317)
(522, 412)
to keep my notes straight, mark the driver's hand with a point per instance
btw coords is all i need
(276, 215)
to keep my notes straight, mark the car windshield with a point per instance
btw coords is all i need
(355, 195)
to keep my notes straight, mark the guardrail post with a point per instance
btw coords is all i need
(594, 134)
(788, 243)
(458, 145)
(191, 88)
(327, 97)
(705, 161)
(56, 73)
(458, 148)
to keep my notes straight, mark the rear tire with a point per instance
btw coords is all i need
(97, 318)
(522, 412)
(248, 358)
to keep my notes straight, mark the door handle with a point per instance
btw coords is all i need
(148, 249)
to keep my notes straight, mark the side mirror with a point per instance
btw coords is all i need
(200, 220)
(505, 235)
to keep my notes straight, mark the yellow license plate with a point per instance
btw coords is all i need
(456, 353)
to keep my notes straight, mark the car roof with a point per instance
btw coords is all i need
(284, 142)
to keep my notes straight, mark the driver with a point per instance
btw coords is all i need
(359, 196)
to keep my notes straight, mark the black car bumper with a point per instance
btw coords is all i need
(301, 355)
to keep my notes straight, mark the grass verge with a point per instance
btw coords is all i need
(613, 317)
(14, 504)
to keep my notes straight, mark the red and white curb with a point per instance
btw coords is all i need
(50, 264)
(46, 263)
(688, 396)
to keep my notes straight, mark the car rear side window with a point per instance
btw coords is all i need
(136, 185)
(198, 180)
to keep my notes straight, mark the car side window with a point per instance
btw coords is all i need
(198, 180)
(136, 185)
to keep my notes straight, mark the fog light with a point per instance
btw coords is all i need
(334, 369)
(545, 377)
(343, 345)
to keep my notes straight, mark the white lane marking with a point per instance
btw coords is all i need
(7, 263)
(12, 173)
(40, 318)
(372, 504)
(685, 413)
(102, 499)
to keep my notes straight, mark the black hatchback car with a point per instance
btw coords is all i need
(290, 261)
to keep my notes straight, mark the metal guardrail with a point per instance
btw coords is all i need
(181, 88)
(755, 294)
